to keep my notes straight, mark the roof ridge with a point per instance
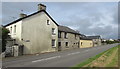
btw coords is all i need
(31, 15)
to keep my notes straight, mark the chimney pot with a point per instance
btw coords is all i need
(41, 7)
(23, 15)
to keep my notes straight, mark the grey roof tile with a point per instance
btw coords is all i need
(67, 29)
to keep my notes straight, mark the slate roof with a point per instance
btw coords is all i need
(82, 35)
(85, 38)
(67, 29)
(32, 15)
(94, 37)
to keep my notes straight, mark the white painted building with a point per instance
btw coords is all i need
(38, 32)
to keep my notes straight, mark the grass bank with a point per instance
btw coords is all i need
(107, 58)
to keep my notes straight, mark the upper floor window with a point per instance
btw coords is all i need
(14, 28)
(48, 22)
(75, 36)
(53, 31)
(11, 30)
(59, 34)
(65, 35)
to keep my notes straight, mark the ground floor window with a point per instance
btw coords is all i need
(53, 43)
(96, 43)
(59, 43)
(90, 43)
(81, 43)
(66, 44)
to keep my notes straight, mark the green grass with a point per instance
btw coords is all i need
(107, 53)
(114, 61)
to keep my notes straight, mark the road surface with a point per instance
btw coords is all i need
(66, 58)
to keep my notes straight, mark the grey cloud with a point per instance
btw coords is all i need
(84, 24)
(11, 10)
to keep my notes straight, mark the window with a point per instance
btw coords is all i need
(53, 31)
(11, 30)
(14, 28)
(75, 36)
(96, 43)
(81, 43)
(59, 34)
(48, 22)
(94, 39)
(90, 43)
(53, 42)
(59, 43)
(65, 36)
(66, 44)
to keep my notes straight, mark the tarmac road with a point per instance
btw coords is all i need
(66, 58)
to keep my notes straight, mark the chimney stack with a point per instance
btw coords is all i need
(41, 7)
(22, 15)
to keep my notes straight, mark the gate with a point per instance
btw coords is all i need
(17, 50)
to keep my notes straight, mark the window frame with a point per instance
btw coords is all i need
(59, 43)
(59, 34)
(11, 30)
(81, 43)
(14, 29)
(53, 41)
(53, 31)
(75, 36)
(66, 44)
(48, 22)
(65, 35)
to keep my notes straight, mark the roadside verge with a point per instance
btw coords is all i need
(108, 58)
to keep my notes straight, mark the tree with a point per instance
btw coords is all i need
(4, 37)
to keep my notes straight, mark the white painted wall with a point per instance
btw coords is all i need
(15, 35)
(39, 34)
(34, 33)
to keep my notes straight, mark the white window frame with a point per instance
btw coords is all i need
(14, 29)
(54, 43)
(53, 31)
(11, 30)
(48, 22)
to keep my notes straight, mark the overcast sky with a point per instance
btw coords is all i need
(90, 18)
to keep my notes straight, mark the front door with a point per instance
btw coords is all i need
(59, 46)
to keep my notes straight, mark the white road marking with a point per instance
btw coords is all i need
(73, 53)
(46, 59)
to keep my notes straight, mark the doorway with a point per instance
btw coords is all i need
(59, 46)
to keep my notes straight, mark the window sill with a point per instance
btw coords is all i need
(9, 34)
(53, 34)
